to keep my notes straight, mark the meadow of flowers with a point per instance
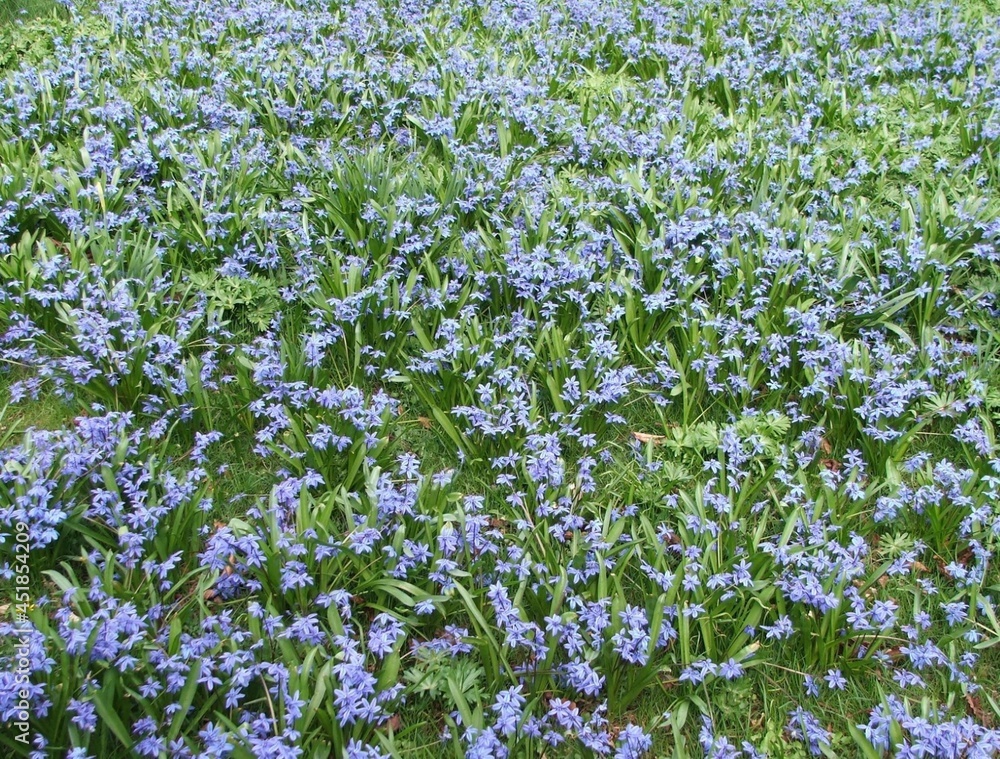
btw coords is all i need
(501, 379)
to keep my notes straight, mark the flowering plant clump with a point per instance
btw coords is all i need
(613, 378)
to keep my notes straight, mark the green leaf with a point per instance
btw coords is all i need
(107, 708)
(185, 700)
(863, 743)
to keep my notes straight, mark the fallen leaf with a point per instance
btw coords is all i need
(424, 422)
(832, 464)
(920, 566)
(944, 568)
(825, 447)
(644, 437)
(394, 723)
(976, 709)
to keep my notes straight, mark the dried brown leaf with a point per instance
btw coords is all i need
(645, 437)
(944, 568)
(975, 707)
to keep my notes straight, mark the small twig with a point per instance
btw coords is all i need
(270, 704)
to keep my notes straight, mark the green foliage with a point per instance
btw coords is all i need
(247, 303)
(736, 373)
(26, 31)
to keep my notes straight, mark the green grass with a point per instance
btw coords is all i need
(47, 412)
(13, 12)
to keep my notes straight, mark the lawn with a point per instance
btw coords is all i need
(19, 11)
(613, 378)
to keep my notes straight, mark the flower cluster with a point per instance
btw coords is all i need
(502, 379)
